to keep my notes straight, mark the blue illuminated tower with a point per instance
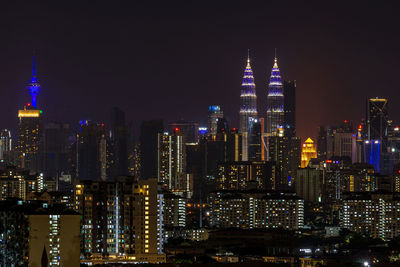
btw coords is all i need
(34, 86)
(248, 98)
(275, 101)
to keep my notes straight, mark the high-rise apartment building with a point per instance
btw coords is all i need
(372, 214)
(172, 172)
(243, 175)
(19, 183)
(256, 210)
(38, 234)
(174, 212)
(122, 218)
(275, 101)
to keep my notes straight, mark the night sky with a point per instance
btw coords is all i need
(172, 59)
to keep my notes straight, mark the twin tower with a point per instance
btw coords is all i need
(275, 100)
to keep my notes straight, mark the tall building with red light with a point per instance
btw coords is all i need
(29, 130)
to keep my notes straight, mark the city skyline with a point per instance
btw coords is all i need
(332, 71)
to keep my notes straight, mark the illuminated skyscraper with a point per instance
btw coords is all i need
(29, 133)
(308, 152)
(375, 147)
(172, 162)
(275, 101)
(377, 118)
(29, 129)
(248, 98)
(248, 106)
(214, 113)
(5, 142)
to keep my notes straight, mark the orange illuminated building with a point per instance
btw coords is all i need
(308, 152)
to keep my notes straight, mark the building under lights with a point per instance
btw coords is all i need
(214, 114)
(172, 163)
(242, 175)
(29, 129)
(19, 183)
(38, 234)
(373, 214)
(275, 101)
(174, 210)
(248, 106)
(29, 138)
(256, 210)
(121, 219)
(5, 143)
(308, 152)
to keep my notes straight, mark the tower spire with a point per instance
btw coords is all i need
(34, 85)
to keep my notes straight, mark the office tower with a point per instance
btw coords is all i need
(375, 145)
(132, 231)
(248, 106)
(29, 138)
(308, 152)
(55, 146)
(5, 143)
(345, 145)
(234, 146)
(372, 214)
(172, 163)
(242, 175)
(289, 92)
(214, 114)
(255, 210)
(174, 211)
(309, 184)
(91, 151)
(149, 131)
(36, 234)
(248, 98)
(377, 118)
(256, 149)
(285, 151)
(275, 101)
(19, 183)
(189, 129)
(118, 161)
